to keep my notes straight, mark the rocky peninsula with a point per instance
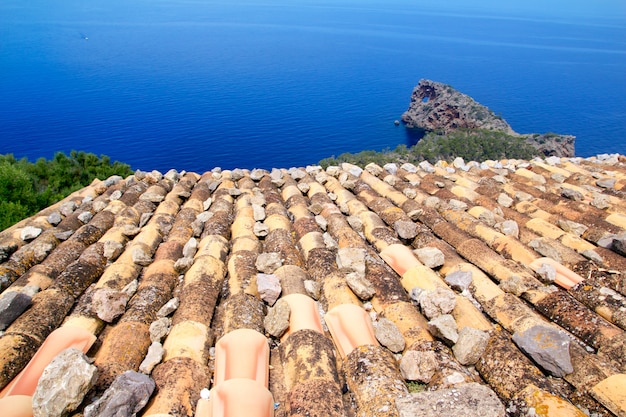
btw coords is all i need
(438, 107)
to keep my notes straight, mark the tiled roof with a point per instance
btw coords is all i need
(198, 238)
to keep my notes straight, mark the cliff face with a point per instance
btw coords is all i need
(439, 107)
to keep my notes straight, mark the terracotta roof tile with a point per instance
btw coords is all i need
(193, 241)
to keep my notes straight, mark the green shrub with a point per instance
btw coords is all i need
(26, 188)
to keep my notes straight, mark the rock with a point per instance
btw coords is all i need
(268, 262)
(140, 257)
(508, 227)
(405, 229)
(548, 348)
(304, 187)
(427, 167)
(572, 227)
(261, 229)
(360, 285)
(456, 205)
(467, 400)
(572, 194)
(269, 287)
(391, 168)
(619, 244)
(30, 233)
(547, 273)
(313, 288)
(257, 174)
(470, 345)
(352, 169)
(321, 222)
(388, 334)
(276, 321)
(12, 305)
(419, 366)
(329, 242)
(67, 208)
(437, 302)
(592, 256)
(128, 394)
(54, 218)
(190, 248)
(85, 216)
(109, 304)
(545, 248)
(153, 358)
(459, 280)
(258, 212)
(374, 169)
(112, 249)
(514, 285)
(182, 265)
(431, 257)
(458, 163)
(437, 106)
(160, 328)
(355, 223)
(444, 328)
(63, 384)
(606, 183)
(169, 307)
(351, 260)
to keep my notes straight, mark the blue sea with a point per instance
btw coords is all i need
(198, 84)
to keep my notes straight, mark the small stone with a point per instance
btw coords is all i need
(352, 169)
(313, 288)
(130, 231)
(467, 400)
(109, 304)
(388, 335)
(600, 201)
(444, 328)
(374, 169)
(276, 321)
(169, 307)
(572, 194)
(304, 187)
(54, 218)
(30, 233)
(459, 280)
(330, 242)
(321, 222)
(504, 200)
(547, 273)
(261, 229)
(508, 228)
(408, 167)
(85, 216)
(206, 204)
(359, 285)
(592, 255)
(112, 249)
(268, 262)
(355, 223)
(351, 260)
(63, 384)
(427, 167)
(548, 348)
(437, 302)
(458, 163)
(545, 248)
(182, 265)
(140, 257)
(153, 358)
(391, 168)
(268, 286)
(470, 345)
(258, 212)
(619, 244)
(572, 227)
(457, 205)
(160, 328)
(257, 174)
(514, 285)
(431, 257)
(606, 183)
(405, 229)
(128, 395)
(419, 366)
(12, 305)
(190, 248)
(68, 208)
(63, 236)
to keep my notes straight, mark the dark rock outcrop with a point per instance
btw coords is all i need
(439, 107)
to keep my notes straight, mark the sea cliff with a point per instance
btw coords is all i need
(438, 107)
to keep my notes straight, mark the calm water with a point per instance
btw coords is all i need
(192, 84)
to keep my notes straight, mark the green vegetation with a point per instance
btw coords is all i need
(415, 386)
(469, 144)
(26, 188)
